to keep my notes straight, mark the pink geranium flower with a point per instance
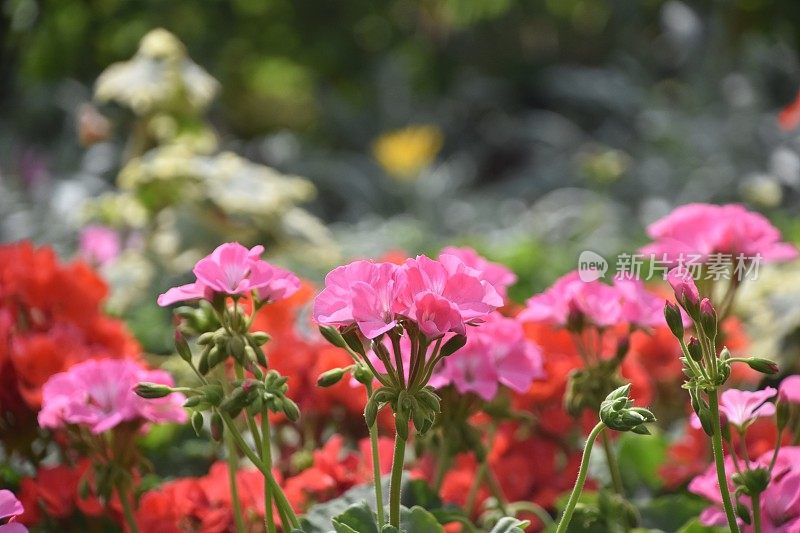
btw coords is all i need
(497, 353)
(700, 230)
(780, 502)
(682, 282)
(99, 394)
(741, 407)
(234, 270)
(362, 293)
(789, 390)
(499, 276)
(10, 508)
(603, 305)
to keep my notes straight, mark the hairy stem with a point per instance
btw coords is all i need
(582, 472)
(397, 478)
(719, 460)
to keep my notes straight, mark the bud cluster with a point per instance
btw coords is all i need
(618, 412)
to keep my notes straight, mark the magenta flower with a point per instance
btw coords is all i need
(780, 502)
(10, 508)
(682, 282)
(99, 394)
(362, 293)
(499, 276)
(497, 353)
(789, 390)
(234, 270)
(603, 305)
(99, 245)
(741, 408)
(700, 230)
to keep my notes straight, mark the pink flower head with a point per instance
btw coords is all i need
(603, 305)
(499, 276)
(10, 508)
(682, 282)
(444, 295)
(706, 229)
(362, 293)
(497, 353)
(741, 408)
(232, 269)
(789, 390)
(99, 394)
(99, 245)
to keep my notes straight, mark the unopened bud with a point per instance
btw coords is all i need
(453, 344)
(197, 422)
(708, 317)
(695, 349)
(291, 410)
(260, 337)
(765, 366)
(182, 346)
(672, 314)
(217, 427)
(152, 391)
(782, 414)
(331, 377)
(363, 374)
(371, 412)
(332, 335)
(743, 512)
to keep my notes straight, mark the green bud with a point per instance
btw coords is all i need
(641, 430)
(363, 374)
(206, 338)
(695, 349)
(401, 424)
(428, 398)
(765, 366)
(217, 426)
(197, 422)
(371, 412)
(291, 410)
(260, 337)
(782, 414)
(182, 346)
(332, 335)
(743, 512)
(236, 348)
(260, 357)
(455, 343)
(354, 342)
(331, 377)
(705, 421)
(672, 314)
(151, 391)
(202, 365)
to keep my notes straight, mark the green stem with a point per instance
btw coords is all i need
(756, 512)
(397, 478)
(280, 498)
(613, 466)
(472, 495)
(127, 510)
(376, 467)
(719, 460)
(233, 466)
(442, 464)
(582, 472)
(266, 458)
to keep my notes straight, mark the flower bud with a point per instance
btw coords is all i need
(363, 374)
(782, 414)
(686, 293)
(672, 314)
(695, 350)
(260, 337)
(453, 344)
(765, 366)
(291, 410)
(152, 391)
(197, 422)
(332, 335)
(236, 348)
(401, 423)
(182, 346)
(217, 427)
(331, 377)
(371, 412)
(743, 512)
(708, 317)
(206, 338)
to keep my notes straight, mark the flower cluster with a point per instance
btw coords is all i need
(233, 270)
(441, 296)
(99, 394)
(700, 230)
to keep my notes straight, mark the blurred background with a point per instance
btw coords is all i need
(140, 135)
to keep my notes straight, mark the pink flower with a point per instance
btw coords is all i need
(741, 407)
(10, 508)
(444, 295)
(682, 282)
(603, 305)
(780, 502)
(99, 394)
(362, 293)
(232, 269)
(789, 390)
(499, 276)
(497, 353)
(99, 245)
(705, 229)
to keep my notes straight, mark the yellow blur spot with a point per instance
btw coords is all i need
(404, 153)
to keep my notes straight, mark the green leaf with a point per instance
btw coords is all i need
(509, 524)
(358, 518)
(670, 512)
(418, 492)
(319, 517)
(418, 520)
